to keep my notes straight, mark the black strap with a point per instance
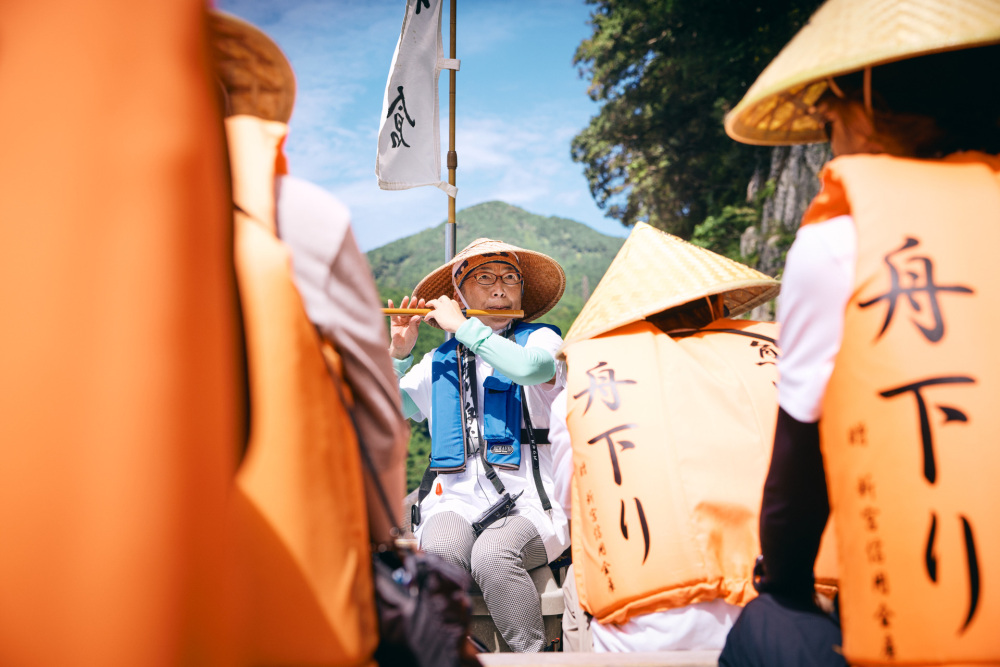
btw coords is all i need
(243, 380)
(426, 482)
(534, 441)
(748, 334)
(541, 436)
(467, 440)
(491, 474)
(738, 332)
(536, 469)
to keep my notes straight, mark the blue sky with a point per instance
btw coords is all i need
(519, 104)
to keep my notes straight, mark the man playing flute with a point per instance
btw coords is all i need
(485, 500)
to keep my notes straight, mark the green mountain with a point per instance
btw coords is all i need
(398, 266)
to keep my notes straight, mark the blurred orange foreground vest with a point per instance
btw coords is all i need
(303, 518)
(119, 411)
(910, 419)
(671, 442)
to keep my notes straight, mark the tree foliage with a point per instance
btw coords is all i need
(723, 232)
(667, 71)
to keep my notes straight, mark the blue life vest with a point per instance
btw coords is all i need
(501, 410)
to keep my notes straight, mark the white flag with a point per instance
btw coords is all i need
(409, 136)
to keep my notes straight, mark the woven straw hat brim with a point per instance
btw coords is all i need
(544, 279)
(256, 75)
(655, 271)
(845, 36)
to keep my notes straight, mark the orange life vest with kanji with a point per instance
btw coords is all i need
(299, 501)
(910, 423)
(671, 443)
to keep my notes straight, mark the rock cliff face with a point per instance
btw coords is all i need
(788, 187)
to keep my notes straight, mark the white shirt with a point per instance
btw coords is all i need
(815, 288)
(469, 493)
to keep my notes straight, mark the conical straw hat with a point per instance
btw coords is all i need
(845, 36)
(256, 75)
(544, 279)
(655, 271)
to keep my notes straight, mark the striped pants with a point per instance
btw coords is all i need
(499, 562)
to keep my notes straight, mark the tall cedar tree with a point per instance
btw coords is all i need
(667, 71)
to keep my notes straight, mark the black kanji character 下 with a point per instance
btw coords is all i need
(624, 444)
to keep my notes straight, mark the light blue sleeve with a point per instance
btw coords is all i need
(400, 366)
(524, 365)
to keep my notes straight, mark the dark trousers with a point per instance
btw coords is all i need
(776, 632)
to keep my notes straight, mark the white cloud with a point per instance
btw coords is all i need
(521, 162)
(525, 163)
(382, 216)
(513, 146)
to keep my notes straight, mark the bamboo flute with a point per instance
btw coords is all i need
(466, 311)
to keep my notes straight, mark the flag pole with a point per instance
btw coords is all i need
(449, 229)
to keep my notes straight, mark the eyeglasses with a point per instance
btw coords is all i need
(485, 278)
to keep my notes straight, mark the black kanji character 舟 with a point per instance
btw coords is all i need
(604, 385)
(924, 272)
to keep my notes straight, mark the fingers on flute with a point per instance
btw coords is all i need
(414, 303)
(396, 320)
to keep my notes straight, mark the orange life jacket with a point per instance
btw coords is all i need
(671, 443)
(119, 374)
(299, 498)
(910, 420)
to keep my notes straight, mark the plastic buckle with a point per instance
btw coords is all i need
(759, 579)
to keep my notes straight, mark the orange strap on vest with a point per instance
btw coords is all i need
(671, 442)
(910, 421)
(300, 500)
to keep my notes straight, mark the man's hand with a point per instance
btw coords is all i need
(403, 329)
(447, 313)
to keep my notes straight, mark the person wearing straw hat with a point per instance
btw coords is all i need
(660, 444)
(889, 308)
(484, 502)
